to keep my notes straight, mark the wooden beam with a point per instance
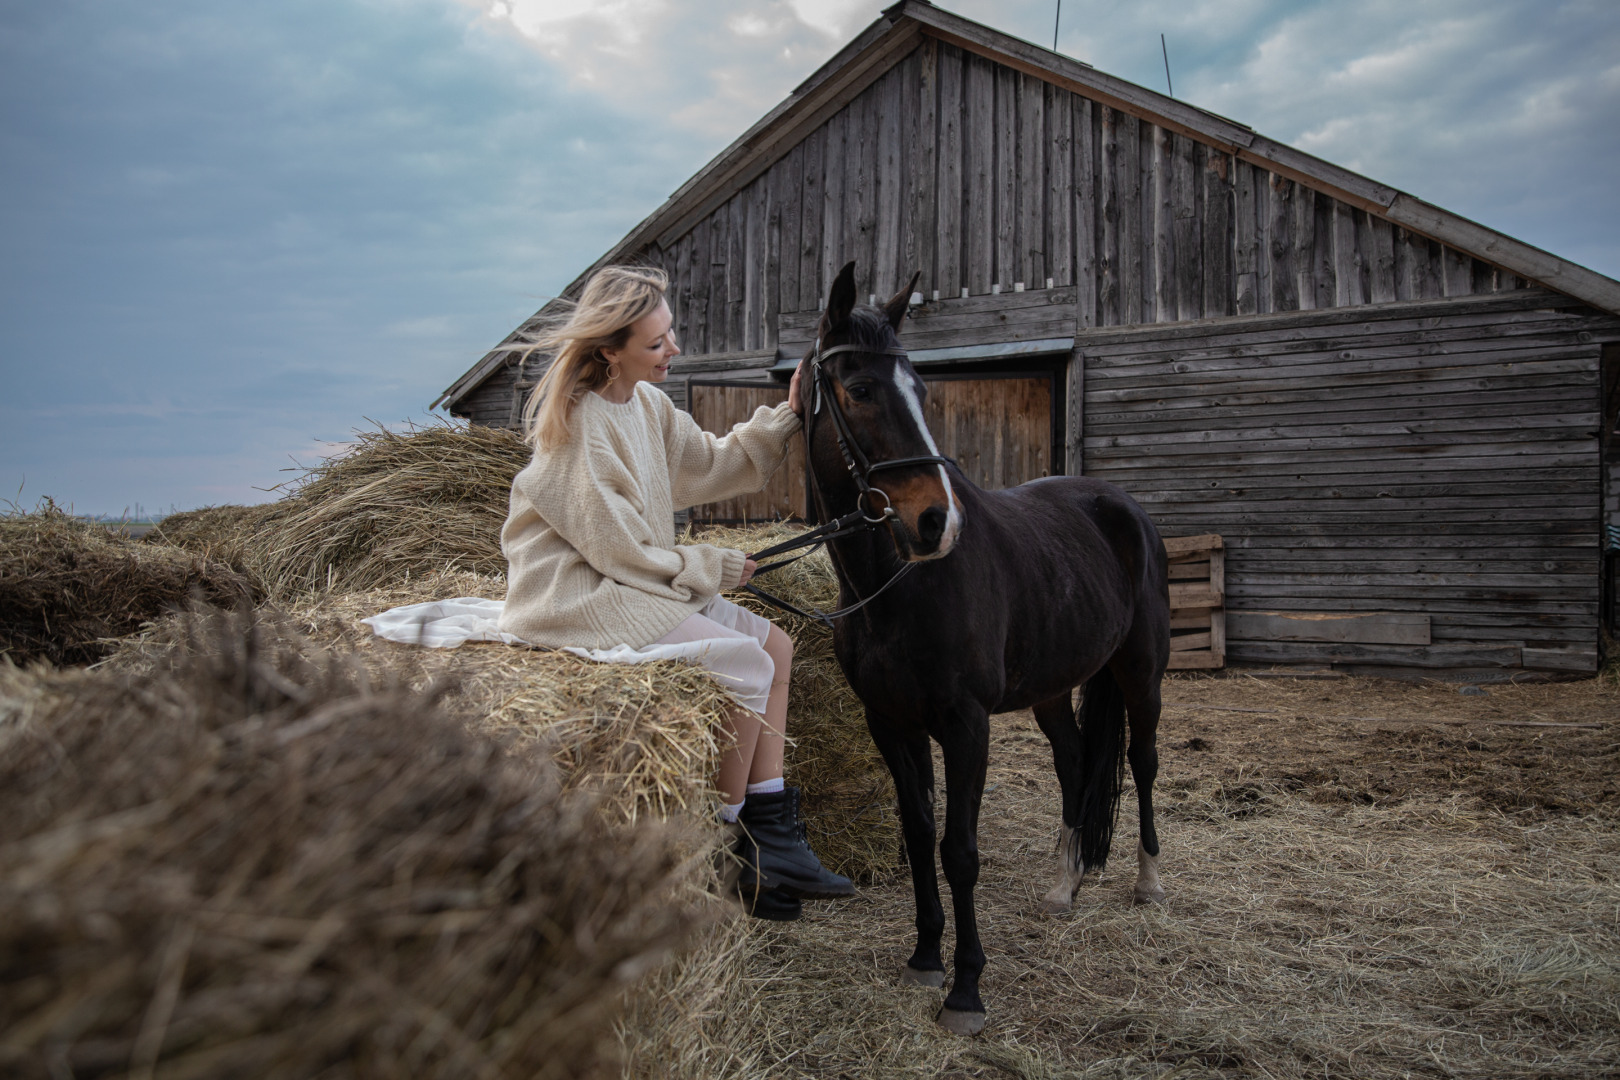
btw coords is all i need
(1366, 628)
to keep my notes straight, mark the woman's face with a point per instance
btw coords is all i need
(646, 356)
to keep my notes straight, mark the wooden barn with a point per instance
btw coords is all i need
(1398, 425)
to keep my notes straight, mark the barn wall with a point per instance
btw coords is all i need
(1431, 458)
(980, 176)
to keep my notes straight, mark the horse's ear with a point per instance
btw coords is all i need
(840, 300)
(895, 309)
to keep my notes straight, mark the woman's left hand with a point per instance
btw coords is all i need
(795, 400)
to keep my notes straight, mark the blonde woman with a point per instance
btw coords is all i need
(593, 563)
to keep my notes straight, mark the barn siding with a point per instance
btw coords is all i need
(1436, 458)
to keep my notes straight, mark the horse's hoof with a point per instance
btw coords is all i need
(1148, 896)
(960, 1023)
(1050, 906)
(910, 976)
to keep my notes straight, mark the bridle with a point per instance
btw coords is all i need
(866, 516)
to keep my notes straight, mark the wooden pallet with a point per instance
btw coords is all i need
(1197, 602)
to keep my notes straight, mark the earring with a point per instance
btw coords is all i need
(611, 374)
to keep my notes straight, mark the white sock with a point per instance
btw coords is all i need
(765, 787)
(728, 812)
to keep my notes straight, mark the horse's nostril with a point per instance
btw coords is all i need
(931, 525)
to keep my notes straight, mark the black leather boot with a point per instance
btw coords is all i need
(772, 904)
(776, 855)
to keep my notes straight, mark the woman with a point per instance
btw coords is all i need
(590, 543)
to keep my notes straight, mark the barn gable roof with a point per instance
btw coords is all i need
(888, 40)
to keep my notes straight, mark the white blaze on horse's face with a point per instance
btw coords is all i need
(904, 382)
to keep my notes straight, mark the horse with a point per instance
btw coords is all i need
(976, 602)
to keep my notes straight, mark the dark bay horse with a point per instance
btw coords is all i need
(1011, 600)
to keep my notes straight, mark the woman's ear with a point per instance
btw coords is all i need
(895, 309)
(840, 300)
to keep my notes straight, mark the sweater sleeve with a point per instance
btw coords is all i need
(707, 468)
(591, 499)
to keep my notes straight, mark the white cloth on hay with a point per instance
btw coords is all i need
(735, 660)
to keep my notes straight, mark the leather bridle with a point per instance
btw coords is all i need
(866, 516)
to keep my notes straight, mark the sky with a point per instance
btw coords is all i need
(232, 234)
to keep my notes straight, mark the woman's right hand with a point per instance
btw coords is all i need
(749, 566)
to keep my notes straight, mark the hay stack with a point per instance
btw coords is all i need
(218, 532)
(849, 796)
(251, 864)
(394, 506)
(67, 585)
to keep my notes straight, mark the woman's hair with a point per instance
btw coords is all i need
(613, 300)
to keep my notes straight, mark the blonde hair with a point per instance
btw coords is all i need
(614, 299)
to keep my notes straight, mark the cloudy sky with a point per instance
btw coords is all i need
(231, 233)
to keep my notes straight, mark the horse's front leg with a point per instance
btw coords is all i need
(911, 763)
(965, 742)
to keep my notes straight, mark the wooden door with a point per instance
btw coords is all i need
(999, 428)
(719, 406)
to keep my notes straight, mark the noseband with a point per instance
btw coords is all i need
(866, 516)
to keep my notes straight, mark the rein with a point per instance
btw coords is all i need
(861, 468)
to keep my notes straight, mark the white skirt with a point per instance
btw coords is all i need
(722, 638)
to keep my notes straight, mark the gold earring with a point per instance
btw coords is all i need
(611, 374)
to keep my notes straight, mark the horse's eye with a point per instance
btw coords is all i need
(861, 392)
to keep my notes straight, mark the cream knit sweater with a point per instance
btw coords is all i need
(590, 535)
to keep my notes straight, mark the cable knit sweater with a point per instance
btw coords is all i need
(590, 535)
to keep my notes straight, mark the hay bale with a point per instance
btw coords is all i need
(849, 795)
(218, 532)
(68, 585)
(396, 505)
(249, 863)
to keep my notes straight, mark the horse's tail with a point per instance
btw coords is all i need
(1102, 767)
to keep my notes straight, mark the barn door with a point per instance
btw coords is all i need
(1000, 429)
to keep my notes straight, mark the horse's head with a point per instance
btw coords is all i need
(877, 405)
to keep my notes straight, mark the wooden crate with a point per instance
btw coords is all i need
(1197, 602)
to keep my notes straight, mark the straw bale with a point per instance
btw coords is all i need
(396, 504)
(68, 586)
(849, 795)
(247, 862)
(218, 532)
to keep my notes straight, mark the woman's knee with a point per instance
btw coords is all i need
(780, 648)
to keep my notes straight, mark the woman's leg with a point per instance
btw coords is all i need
(736, 764)
(771, 745)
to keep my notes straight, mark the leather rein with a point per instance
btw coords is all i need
(866, 516)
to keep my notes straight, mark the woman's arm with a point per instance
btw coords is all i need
(706, 468)
(586, 494)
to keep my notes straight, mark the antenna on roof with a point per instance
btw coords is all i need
(1165, 49)
(1055, 21)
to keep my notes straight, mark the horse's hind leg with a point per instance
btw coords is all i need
(1142, 705)
(911, 763)
(964, 739)
(1056, 718)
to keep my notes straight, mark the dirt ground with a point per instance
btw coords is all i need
(1365, 878)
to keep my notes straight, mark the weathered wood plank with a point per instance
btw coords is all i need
(1128, 180)
(1030, 240)
(790, 258)
(1085, 223)
(890, 204)
(1074, 463)
(950, 183)
(773, 283)
(1110, 294)
(1406, 265)
(1363, 628)
(1381, 275)
(737, 271)
(1005, 270)
(1306, 293)
(811, 204)
(681, 292)
(834, 254)
(716, 338)
(1162, 302)
(1457, 277)
(922, 169)
(756, 250)
(1246, 234)
(1280, 243)
(978, 160)
(1218, 293)
(1060, 187)
(1180, 546)
(1325, 271)
(1189, 255)
(1347, 260)
(1144, 219)
(1434, 656)
(860, 190)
